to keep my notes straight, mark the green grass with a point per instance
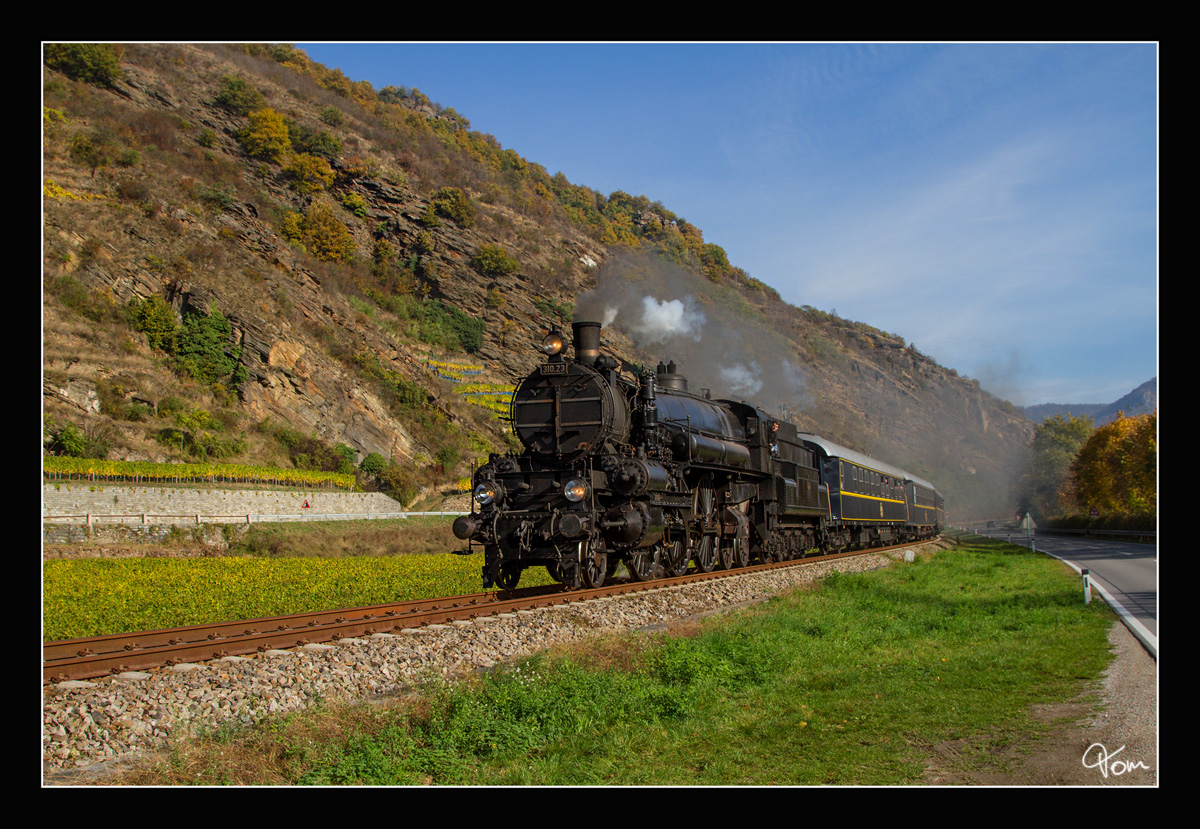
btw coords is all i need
(850, 684)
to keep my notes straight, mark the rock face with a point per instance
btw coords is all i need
(198, 223)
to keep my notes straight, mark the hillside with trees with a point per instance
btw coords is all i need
(251, 258)
(1081, 476)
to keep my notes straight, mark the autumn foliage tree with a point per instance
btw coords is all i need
(1056, 442)
(1116, 469)
(266, 136)
(320, 232)
(308, 173)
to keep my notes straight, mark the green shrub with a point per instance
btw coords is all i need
(493, 260)
(373, 464)
(357, 205)
(453, 204)
(561, 310)
(215, 199)
(239, 97)
(447, 456)
(155, 318)
(94, 63)
(406, 393)
(346, 454)
(423, 245)
(398, 483)
(93, 441)
(69, 440)
(448, 327)
(202, 348)
(314, 142)
(201, 444)
(92, 151)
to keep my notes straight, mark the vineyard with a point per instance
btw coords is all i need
(453, 371)
(61, 468)
(495, 397)
(271, 570)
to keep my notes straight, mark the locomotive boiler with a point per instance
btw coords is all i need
(637, 474)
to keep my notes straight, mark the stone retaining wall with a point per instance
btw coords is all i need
(80, 499)
(135, 533)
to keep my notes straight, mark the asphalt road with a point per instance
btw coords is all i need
(1125, 574)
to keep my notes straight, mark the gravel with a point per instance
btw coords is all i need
(93, 727)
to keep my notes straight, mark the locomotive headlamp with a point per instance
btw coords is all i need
(552, 343)
(575, 490)
(486, 492)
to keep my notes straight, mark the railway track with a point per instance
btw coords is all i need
(77, 659)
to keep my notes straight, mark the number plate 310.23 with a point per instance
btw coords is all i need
(553, 368)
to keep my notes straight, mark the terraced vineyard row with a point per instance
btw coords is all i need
(56, 468)
(495, 397)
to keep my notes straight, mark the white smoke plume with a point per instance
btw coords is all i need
(660, 320)
(742, 380)
(671, 314)
(793, 383)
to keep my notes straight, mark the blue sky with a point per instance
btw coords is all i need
(994, 204)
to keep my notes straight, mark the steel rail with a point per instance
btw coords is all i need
(86, 658)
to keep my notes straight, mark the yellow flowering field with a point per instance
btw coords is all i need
(92, 597)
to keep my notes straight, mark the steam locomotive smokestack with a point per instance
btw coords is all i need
(587, 341)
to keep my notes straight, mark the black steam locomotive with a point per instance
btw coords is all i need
(651, 478)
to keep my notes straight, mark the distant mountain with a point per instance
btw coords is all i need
(1140, 401)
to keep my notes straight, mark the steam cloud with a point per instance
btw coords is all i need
(742, 380)
(662, 320)
(670, 314)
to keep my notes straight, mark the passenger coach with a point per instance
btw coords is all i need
(872, 502)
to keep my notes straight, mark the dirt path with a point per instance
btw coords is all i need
(1114, 743)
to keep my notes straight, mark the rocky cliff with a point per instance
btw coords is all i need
(181, 212)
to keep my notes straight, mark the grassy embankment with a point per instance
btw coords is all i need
(851, 683)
